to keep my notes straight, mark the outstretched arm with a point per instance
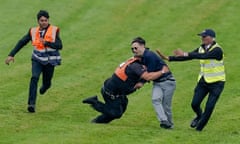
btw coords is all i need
(179, 56)
(216, 53)
(21, 43)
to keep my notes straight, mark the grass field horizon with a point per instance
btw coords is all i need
(96, 37)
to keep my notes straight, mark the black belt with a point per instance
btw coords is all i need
(170, 78)
(110, 94)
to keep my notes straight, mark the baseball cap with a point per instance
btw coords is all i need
(207, 32)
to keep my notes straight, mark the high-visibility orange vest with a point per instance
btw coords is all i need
(121, 69)
(49, 36)
(41, 53)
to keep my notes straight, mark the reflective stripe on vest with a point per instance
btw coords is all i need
(212, 70)
(121, 70)
(47, 58)
(41, 53)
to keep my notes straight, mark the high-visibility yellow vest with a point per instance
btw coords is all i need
(212, 70)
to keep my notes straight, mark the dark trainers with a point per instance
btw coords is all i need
(42, 90)
(165, 124)
(194, 122)
(90, 100)
(94, 120)
(31, 108)
(199, 129)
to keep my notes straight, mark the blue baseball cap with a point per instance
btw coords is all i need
(207, 32)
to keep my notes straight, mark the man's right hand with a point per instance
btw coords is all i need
(165, 69)
(9, 59)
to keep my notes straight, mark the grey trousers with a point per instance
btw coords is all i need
(162, 94)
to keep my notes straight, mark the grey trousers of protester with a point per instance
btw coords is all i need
(162, 94)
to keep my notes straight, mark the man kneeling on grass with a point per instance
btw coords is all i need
(128, 77)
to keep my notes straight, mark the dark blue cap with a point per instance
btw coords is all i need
(208, 32)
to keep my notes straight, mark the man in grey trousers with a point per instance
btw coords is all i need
(163, 87)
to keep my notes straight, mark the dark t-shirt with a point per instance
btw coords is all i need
(117, 86)
(154, 63)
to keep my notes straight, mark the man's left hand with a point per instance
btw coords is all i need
(178, 52)
(138, 85)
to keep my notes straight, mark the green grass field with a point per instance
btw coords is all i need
(96, 37)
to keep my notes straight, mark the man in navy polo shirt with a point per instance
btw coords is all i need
(163, 87)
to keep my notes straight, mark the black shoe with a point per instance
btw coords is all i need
(165, 124)
(31, 108)
(99, 121)
(42, 90)
(198, 129)
(194, 122)
(94, 120)
(90, 100)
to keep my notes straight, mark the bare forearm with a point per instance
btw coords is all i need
(154, 75)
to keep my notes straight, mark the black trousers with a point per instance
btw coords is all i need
(47, 74)
(111, 109)
(213, 90)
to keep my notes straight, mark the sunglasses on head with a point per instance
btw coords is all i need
(134, 48)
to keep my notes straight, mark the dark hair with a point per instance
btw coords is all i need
(139, 40)
(42, 13)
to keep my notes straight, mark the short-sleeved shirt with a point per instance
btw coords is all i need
(117, 86)
(154, 63)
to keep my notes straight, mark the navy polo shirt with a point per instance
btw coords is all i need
(153, 62)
